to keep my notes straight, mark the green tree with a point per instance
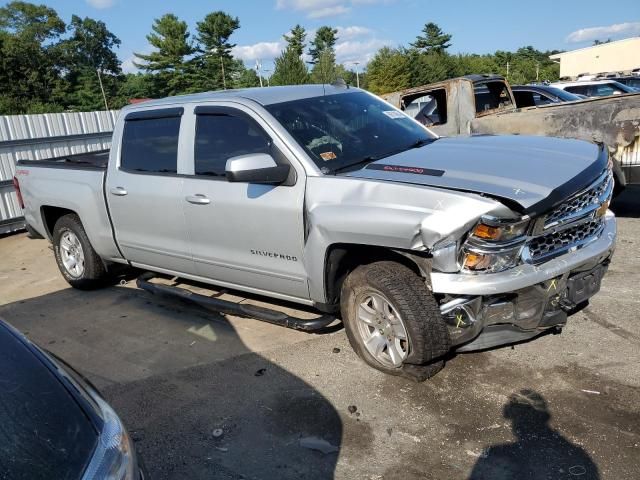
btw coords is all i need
(29, 59)
(322, 52)
(91, 64)
(244, 77)
(325, 40)
(215, 59)
(170, 61)
(388, 71)
(290, 69)
(434, 39)
(296, 41)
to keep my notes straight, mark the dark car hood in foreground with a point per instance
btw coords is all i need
(530, 174)
(44, 434)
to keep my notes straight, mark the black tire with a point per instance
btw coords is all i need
(94, 274)
(427, 332)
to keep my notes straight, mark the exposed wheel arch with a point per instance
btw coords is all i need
(343, 258)
(50, 215)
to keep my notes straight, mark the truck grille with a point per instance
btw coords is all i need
(561, 241)
(571, 225)
(576, 205)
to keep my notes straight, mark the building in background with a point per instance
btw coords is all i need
(618, 56)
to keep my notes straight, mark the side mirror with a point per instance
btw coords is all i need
(256, 168)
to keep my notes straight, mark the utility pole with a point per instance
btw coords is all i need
(537, 71)
(259, 72)
(357, 74)
(104, 96)
(507, 70)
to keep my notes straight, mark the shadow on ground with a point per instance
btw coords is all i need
(197, 401)
(539, 451)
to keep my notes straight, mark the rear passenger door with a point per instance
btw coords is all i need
(242, 234)
(144, 189)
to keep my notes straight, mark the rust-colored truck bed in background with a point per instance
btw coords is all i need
(614, 120)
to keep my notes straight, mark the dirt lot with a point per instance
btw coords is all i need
(560, 407)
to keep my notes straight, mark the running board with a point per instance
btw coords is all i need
(233, 308)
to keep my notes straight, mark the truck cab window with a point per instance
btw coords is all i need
(430, 109)
(151, 145)
(220, 137)
(491, 96)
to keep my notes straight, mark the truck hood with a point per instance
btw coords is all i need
(528, 174)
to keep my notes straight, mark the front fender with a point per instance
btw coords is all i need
(385, 214)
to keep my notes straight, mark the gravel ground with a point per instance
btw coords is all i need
(207, 396)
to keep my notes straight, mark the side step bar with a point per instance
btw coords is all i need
(232, 308)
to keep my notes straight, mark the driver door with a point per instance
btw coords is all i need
(241, 234)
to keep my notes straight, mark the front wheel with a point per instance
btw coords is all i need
(78, 262)
(393, 322)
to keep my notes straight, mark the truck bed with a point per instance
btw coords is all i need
(88, 161)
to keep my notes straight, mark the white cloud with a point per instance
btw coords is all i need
(323, 8)
(101, 4)
(355, 44)
(329, 12)
(627, 29)
(358, 51)
(128, 66)
(259, 51)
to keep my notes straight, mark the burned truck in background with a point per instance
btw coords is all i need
(485, 105)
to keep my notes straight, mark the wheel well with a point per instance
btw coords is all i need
(342, 259)
(50, 215)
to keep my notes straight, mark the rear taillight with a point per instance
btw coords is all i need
(16, 185)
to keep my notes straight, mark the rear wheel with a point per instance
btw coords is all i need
(78, 262)
(393, 322)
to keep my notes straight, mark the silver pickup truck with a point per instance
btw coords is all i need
(330, 197)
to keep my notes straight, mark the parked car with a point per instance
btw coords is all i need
(595, 88)
(632, 81)
(54, 422)
(485, 105)
(328, 196)
(538, 95)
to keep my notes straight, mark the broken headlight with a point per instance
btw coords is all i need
(494, 245)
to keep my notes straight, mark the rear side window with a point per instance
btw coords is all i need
(220, 137)
(150, 145)
(578, 89)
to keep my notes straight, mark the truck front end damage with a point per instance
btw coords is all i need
(509, 282)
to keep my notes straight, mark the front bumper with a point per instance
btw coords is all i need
(487, 310)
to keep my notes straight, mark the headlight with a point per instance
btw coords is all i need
(114, 457)
(495, 230)
(494, 244)
(489, 262)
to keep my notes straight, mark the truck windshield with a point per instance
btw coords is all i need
(347, 130)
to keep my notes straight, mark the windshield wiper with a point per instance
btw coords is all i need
(372, 158)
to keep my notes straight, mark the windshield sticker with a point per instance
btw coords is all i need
(393, 114)
(326, 156)
(400, 169)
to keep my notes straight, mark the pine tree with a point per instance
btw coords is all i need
(434, 39)
(169, 62)
(323, 55)
(290, 69)
(325, 39)
(296, 41)
(215, 57)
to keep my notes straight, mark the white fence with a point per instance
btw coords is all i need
(38, 137)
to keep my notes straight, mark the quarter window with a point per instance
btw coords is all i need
(151, 145)
(220, 137)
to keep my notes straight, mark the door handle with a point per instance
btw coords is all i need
(119, 191)
(198, 199)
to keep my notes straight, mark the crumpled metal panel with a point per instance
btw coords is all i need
(39, 137)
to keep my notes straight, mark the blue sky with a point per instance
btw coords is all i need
(366, 25)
